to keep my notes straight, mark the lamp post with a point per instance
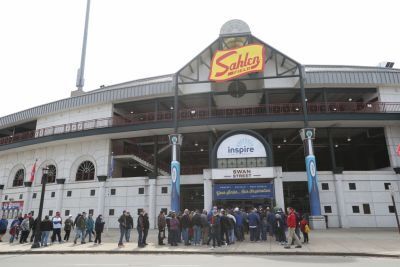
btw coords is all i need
(36, 243)
(391, 190)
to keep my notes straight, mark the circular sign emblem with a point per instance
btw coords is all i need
(309, 134)
(173, 174)
(174, 139)
(312, 168)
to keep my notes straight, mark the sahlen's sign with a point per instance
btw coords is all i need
(241, 146)
(233, 63)
(243, 191)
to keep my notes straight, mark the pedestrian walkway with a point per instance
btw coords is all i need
(356, 242)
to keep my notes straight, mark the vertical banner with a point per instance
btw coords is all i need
(311, 169)
(175, 192)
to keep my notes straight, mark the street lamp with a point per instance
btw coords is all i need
(36, 243)
(391, 190)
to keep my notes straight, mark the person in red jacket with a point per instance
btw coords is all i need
(291, 224)
(303, 229)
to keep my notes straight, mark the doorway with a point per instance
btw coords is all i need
(192, 197)
(296, 196)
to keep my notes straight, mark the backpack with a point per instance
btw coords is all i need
(307, 229)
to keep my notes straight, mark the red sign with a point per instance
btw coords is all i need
(12, 205)
(398, 150)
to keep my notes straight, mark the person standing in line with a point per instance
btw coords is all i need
(45, 228)
(99, 228)
(32, 226)
(57, 225)
(122, 228)
(224, 227)
(271, 222)
(305, 229)
(205, 227)
(239, 225)
(232, 226)
(291, 223)
(254, 221)
(264, 225)
(174, 228)
(196, 222)
(14, 229)
(129, 226)
(80, 228)
(185, 223)
(3, 226)
(146, 228)
(279, 229)
(215, 233)
(161, 223)
(89, 227)
(140, 229)
(24, 230)
(68, 226)
(168, 220)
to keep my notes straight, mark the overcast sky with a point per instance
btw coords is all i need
(41, 40)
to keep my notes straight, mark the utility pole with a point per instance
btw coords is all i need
(391, 189)
(80, 80)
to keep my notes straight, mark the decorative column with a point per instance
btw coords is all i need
(27, 197)
(208, 190)
(278, 190)
(152, 203)
(59, 194)
(176, 142)
(317, 221)
(339, 192)
(101, 194)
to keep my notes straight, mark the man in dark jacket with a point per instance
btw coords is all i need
(140, 229)
(225, 227)
(215, 233)
(80, 228)
(32, 226)
(129, 226)
(123, 223)
(254, 221)
(185, 224)
(45, 227)
(161, 223)
(146, 228)
(99, 227)
(196, 222)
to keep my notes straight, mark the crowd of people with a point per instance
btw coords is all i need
(213, 228)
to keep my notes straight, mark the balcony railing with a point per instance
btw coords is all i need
(206, 113)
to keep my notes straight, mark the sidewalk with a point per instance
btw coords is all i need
(338, 242)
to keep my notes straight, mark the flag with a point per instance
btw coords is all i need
(111, 170)
(33, 171)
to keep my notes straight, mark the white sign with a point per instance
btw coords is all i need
(241, 173)
(241, 146)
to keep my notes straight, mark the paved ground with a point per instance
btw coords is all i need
(191, 261)
(357, 242)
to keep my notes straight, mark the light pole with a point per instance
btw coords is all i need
(391, 190)
(36, 243)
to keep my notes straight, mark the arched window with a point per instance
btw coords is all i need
(51, 174)
(85, 171)
(19, 178)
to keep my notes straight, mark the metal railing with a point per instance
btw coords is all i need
(206, 113)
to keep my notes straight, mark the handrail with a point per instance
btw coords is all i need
(205, 113)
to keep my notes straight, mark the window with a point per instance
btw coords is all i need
(111, 212)
(391, 209)
(352, 186)
(34, 195)
(21, 196)
(85, 171)
(92, 192)
(51, 174)
(67, 212)
(69, 193)
(113, 191)
(325, 186)
(53, 194)
(19, 178)
(356, 209)
(50, 212)
(141, 190)
(5, 197)
(91, 211)
(164, 190)
(328, 209)
(387, 185)
(367, 209)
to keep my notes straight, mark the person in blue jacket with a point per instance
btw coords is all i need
(239, 225)
(89, 227)
(254, 222)
(3, 227)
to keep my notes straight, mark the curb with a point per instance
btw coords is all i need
(297, 253)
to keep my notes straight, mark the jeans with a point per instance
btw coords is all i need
(293, 236)
(66, 236)
(161, 235)
(128, 234)
(98, 237)
(239, 232)
(89, 232)
(140, 237)
(205, 232)
(253, 233)
(231, 236)
(45, 237)
(80, 233)
(264, 232)
(197, 234)
(56, 232)
(122, 231)
(185, 235)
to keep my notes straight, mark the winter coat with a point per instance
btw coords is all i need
(81, 223)
(239, 218)
(225, 225)
(25, 225)
(146, 222)
(185, 221)
(99, 225)
(46, 225)
(254, 219)
(291, 220)
(68, 224)
(123, 223)
(204, 221)
(90, 224)
(57, 222)
(140, 222)
(215, 223)
(196, 220)
(303, 224)
(174, 224)
(3, 224)
(161, 222)
(129, 222)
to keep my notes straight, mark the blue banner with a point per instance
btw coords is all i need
(311, 168)
(243, 191)
(175, 184)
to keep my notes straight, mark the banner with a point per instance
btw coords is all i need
(311, 169)
(12, 205)
(175, 192)
(233, 63)
(243, 191)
